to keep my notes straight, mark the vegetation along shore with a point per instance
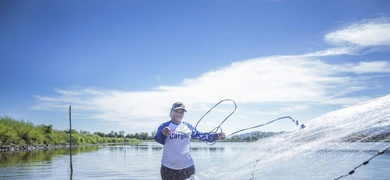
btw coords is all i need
(18, 135)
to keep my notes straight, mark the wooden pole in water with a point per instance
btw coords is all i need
(70, 139)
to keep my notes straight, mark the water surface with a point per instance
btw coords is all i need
(143, 162)
(107, 161)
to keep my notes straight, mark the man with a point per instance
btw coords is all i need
(175, 135)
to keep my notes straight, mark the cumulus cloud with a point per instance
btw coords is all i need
(296, 82)
(285, 79)
(366, 33)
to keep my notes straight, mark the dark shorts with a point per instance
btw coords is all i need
(172, 174)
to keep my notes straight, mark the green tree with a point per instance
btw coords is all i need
(130, 136)
(111, 134)
(153, 134)
(100, 134)
(143, 136)
(121, 134)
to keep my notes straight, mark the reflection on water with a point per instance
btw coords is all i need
(143, 161)
(44, 155)
(107, 161)
(39, 163)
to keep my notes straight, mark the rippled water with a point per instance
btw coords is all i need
(143, 162)
(108, 162)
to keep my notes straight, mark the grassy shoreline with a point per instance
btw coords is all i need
(20, 133)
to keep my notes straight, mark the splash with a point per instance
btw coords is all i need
(331, 145)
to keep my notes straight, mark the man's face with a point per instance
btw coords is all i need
(177, 115)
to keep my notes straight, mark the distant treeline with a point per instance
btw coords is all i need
(251, 136)
(121, 134)
(20, 132)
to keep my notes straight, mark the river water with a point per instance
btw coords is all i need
(107, 161)
(143, 162)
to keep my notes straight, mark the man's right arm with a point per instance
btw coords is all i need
(160, 137)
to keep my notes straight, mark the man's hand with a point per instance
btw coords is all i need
(166, 131)
(221, 136)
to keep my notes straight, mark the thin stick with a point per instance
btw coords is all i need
(70, 137)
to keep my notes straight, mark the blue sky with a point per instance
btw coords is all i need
(121, 64)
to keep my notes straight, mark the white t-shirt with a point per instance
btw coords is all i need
(176, 151)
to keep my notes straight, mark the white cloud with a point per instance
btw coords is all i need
(332, 52)
(366, 33)
(299, 81)
(294, 108)
(370, 67)
(296, 81)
